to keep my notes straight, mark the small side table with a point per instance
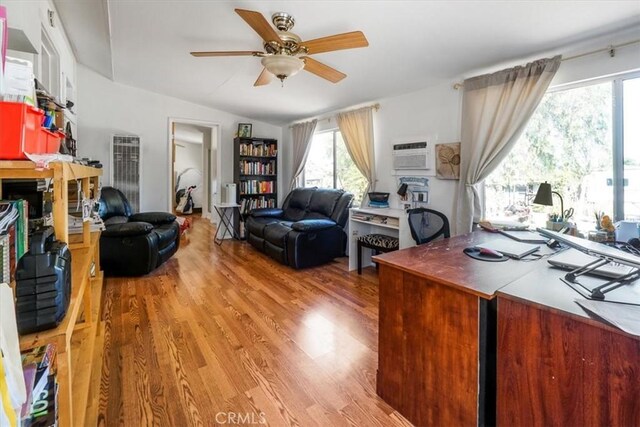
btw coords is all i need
(225, 211)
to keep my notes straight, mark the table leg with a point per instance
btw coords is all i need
(226, 217)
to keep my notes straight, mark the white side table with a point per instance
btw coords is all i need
(225, 211)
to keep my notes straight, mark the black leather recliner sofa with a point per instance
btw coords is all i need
(134, 244)
(307, 231)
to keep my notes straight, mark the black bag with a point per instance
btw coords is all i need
(43, 283)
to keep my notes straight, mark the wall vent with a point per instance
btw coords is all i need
(125, 167)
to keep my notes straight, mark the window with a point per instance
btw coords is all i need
(572, 142)
(329, 165)
(49, 66)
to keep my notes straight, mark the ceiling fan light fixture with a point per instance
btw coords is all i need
(282, 66)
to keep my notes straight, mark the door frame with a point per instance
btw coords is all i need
(216, 134)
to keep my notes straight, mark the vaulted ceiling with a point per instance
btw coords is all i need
(412, 45)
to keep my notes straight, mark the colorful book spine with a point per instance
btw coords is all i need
(5, 259)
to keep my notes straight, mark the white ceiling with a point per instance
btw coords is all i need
(412, 45)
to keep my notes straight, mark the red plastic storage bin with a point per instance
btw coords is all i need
(19, 130)
(50, 142)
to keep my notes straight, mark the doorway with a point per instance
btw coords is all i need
(194, 161)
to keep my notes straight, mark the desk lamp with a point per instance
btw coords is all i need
(544, 197)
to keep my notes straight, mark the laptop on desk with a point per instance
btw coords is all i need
(525, 236)
(572, 259)
(510, 248)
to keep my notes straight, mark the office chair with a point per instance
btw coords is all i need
(427, 225)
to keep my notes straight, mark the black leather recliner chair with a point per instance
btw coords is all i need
(307, 231)
(134, 244)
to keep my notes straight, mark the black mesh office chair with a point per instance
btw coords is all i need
(427, 225)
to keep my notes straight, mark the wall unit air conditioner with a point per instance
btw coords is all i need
(413, 155)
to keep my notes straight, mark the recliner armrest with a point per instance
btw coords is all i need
(313, 224)
(128, 229)
(267, 212)
(155, 218)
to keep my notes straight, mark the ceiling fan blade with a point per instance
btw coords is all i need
(259, 24)
(226, 53)
(264, 78)
(336, 42)
(321, 70)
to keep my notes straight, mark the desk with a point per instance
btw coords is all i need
(558, 366)
(392, 222)
(450, 327)
(225, 212)
(436, 351)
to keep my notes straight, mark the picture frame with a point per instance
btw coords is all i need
(244, 130)
(448, 161)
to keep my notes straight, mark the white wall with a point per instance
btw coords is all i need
(432, 114)
(435, 113)
(107, 108)
(187, 133)
(188, 155)
(600, 64)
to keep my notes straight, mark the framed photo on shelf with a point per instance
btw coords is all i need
(244, 130)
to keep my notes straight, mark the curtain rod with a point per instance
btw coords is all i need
(375, 106)
(611, 49)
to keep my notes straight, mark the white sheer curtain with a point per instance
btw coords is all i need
(302, 134)
(495, 110)
(356, 128)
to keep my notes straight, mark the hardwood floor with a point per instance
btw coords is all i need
(223, 335)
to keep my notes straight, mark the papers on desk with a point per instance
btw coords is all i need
(622, 316)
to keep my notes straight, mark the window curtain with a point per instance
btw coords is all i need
(356, 128)
(302, 134)
(495, 110)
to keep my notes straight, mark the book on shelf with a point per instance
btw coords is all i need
(76, 224)
(257, 167)
(16, 212)
(29, 374)
(40, 408)
(14, 236)
(5, 259)
(44, 409)
(248, 204)
(258, 149)
(257, 187)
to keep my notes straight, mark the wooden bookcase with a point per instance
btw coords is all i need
(255, 175)
(79, 337)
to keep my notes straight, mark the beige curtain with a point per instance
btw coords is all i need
(495, 110)
(356, 128)
(302, 134)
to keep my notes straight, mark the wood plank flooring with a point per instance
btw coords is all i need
(223, 335)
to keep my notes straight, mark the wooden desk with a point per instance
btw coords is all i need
(558, 366)
(437, 335)
(396, 224)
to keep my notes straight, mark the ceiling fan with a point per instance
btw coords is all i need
(285, 52)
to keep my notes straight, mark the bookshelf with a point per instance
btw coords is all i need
(255, 175)
(79, 335)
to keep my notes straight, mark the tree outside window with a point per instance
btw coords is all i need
(585, 142)
(329, 165)
(568, 143)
